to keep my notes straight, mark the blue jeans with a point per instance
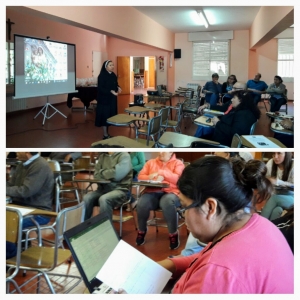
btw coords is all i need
(203, 130)
(106, 200)
(276, 204)
(211, 98)
(39, 219)
(168, 202)
(276, 103)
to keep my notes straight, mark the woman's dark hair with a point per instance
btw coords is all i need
(246, 103)
(232, 185)
(33, 153)
(287, 166)
(279, 78)
(234, 81)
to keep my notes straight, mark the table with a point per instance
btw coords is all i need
(138, 110)
(35, 211)
(280, 129)
(148, 183)
(180, 140)
(213, 112)
(90, 181)
(247, 144)
(125, 120)
(85, 93)
(202, 121)
(121, 141)
(279, 116)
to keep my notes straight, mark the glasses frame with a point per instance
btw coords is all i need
(182, 211)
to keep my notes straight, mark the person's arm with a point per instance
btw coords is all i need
(120, 170)
(32, 184)
(141, 159)
(278, 90)
(147, 170)
(173, 175)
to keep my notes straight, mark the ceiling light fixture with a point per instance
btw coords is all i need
(202, 17)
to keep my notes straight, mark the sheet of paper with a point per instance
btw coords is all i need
(131, 270)
(23, 211)
(260, 141)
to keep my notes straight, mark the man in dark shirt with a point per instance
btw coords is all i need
(32, 184)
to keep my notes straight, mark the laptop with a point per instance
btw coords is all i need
(91, 243)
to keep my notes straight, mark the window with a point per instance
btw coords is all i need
(9, 67)
(210, 57)
(285, 67)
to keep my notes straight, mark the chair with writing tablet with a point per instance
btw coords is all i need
(150, 131)
(206, 144)
(236, 141)
(43, 260)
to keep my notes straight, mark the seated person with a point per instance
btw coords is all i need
(212, 90)
(277, 90)
(167, 169)
(215, 215)
(227, 88)
(257, 87)
(203, 131)
(65, 156)
(116, 167)
(32, 185)
(280, 173)
(137, 161)
(241, 117)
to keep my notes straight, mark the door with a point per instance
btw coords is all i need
(152, 81)
(124, 74)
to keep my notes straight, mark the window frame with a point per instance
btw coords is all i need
(208, 77)
(284, 78)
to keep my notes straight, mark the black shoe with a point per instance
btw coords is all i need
(174, 241)
(140, 240)
(105, 137)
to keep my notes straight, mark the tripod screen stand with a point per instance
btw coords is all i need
(46, 111)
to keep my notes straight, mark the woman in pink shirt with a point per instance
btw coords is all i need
(245, 253)
(167, 169)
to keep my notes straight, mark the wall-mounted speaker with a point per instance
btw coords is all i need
(177, 53)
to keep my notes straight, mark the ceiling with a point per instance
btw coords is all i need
(179, 19)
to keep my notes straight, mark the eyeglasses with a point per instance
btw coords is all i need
(182, 211)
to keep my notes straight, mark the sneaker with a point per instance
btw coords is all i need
(174, 240)
(140, 240)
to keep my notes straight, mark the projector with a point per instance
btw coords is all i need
(152, 93)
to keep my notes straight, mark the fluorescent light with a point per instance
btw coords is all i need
(202, 18)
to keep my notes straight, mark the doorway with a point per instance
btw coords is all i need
(143, 74)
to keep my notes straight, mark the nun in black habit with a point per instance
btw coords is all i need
(107, 93)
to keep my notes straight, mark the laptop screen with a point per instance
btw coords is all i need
(91, 243)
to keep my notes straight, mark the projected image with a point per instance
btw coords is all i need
(45, 61)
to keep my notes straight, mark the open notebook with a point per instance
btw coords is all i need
(105, 262)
